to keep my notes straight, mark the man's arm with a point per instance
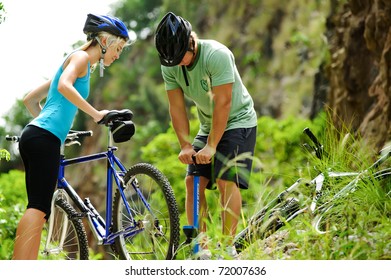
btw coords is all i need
(180, 123)
(222, 97)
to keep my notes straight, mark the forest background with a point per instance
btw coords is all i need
(322, 64)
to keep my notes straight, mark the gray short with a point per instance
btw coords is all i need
(229, 163)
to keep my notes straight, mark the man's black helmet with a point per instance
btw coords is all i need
(172, 39)
(97, 23)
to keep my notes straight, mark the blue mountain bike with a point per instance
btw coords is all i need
(141, 214)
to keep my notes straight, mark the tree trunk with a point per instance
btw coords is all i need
(360, 41)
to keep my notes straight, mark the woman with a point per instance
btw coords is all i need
(205, 72)
(41, 139)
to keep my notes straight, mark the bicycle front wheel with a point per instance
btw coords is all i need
(149, 217)
(63, 236)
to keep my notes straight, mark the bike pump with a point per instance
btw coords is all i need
(191, 231)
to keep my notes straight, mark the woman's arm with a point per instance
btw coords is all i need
(33, 99)
(75, 67)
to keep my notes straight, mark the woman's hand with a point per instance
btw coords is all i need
(100, 115)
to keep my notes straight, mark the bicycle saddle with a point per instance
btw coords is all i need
(114, 115)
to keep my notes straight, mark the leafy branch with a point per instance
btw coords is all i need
(4, 154)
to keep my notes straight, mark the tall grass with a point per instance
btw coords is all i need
(358, 226)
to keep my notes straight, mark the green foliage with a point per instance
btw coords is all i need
(4, 154)
(12, 205)
(2, 12)
(16, 118)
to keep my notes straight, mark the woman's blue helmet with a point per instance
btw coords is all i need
(97, 23)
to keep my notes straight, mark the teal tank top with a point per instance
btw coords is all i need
(58, 113)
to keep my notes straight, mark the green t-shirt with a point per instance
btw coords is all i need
(214, 66)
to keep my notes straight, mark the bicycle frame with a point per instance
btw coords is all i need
(116, 171)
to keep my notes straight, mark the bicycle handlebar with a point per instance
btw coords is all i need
(312, 137)
(14, 139)
(318, 147)
(120, 115)
(72, 135)
(76, 133)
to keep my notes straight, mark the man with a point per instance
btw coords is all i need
(205, 72)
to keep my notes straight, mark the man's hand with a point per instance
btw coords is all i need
(185, 156)
(204, 156)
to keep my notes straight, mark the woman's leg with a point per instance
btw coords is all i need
(28, 235)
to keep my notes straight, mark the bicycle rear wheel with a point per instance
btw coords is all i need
(266, 223)
(64, 237)
(154, 212)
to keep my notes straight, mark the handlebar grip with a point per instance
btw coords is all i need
(195, 172)
(14, 139)
(81, 133)
(85, 133)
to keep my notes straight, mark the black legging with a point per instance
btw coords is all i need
(40, 152)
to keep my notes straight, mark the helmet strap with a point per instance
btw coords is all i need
(102, 56)
(184, 75)
(192, 50)
(101, 65)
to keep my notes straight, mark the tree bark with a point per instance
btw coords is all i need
(359, 96)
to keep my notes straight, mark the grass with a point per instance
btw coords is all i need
(358, 228)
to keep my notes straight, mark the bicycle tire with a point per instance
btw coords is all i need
(267, 223)
(159, 235)
(66, 224)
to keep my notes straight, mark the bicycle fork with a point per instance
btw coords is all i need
(56, 250)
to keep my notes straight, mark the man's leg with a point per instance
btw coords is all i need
(231, 202)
